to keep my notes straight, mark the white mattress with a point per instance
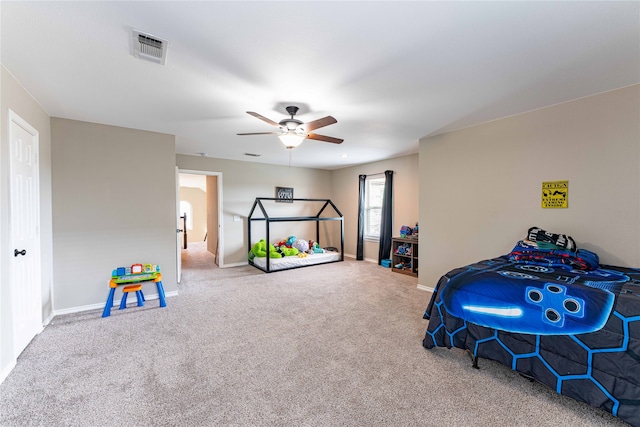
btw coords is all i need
(295, 261)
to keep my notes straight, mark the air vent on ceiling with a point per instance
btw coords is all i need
(150, 47)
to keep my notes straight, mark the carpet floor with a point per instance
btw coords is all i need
(329, 345)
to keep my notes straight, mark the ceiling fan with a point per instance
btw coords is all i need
(293, 131)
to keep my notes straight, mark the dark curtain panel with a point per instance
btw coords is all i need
(360, 250)
(387, 218)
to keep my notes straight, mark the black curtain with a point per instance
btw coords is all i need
(360, 250)
(387, 218)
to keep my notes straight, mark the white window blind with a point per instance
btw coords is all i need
(373, 207)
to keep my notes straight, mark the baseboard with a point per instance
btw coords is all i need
(425, 288)
(366, 259)
(7, 370)
(100, 306)
(235, 264)
(48, 320)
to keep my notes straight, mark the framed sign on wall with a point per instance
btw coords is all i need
(555, 194)
(284, 194)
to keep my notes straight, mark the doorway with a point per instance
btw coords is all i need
(200, 196)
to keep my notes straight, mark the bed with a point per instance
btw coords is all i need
(554, 315)
(289, 262)
(259, 213)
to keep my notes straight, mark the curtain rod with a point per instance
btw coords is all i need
(373, 174)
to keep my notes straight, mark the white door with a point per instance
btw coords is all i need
(178, 229)
(24, 220)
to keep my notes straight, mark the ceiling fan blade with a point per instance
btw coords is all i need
(263, 118)
(317, 124)
(324, 138)
(260, 133)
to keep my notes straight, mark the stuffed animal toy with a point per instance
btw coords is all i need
(278, 249)
(260, 250)
(290, 240)
(314, 248)
(288, 251)
(301, 245)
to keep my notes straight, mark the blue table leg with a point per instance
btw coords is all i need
(109, 304)
(140, 297)
(163, 301)
(123, 301)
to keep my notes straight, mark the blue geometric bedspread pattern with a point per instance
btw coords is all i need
(576, 331)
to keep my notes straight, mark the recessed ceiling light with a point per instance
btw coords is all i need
(252, 154)
(344, 156)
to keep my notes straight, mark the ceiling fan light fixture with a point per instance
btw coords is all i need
(293, 131)
(291, 139)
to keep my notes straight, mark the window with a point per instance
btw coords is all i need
(185, 208)
(374, 191)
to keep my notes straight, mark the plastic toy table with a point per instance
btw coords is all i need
(129, 278)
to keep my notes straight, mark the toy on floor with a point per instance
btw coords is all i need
(137, 273)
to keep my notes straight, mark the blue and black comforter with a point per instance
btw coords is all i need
(553, 315)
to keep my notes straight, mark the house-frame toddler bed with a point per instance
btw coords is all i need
(268, 264)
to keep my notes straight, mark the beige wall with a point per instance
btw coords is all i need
(480, 187)
(344, 192)
(242, 182)
(198, 200)
(113, 205)
(479, 191)
(14, 97)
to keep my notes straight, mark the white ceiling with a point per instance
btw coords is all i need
(389, 72)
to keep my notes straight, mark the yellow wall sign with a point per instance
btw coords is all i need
(555, 194)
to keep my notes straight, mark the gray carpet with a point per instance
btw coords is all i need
(329, 345)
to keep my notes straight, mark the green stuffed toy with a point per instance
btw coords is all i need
(260, 250)
(288, 251)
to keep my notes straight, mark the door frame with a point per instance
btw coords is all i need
(178, 245)
(14, 118)
(220, 255)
